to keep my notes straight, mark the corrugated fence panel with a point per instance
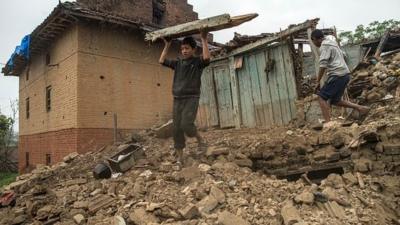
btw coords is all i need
(290, 79)
(265, 89)
(245, 95)
(267, 95)
(282, 85)
(256, 90)
(274, 86)
(224, 96)
(207, 115)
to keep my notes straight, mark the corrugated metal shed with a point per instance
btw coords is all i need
(263, 95)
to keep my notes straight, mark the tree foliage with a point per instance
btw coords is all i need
(6, 124)
(8, 140)
(363, 33)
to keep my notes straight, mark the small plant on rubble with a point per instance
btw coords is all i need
(363, 33)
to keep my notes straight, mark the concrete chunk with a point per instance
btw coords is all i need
(207, 204)
(79, 219)
(189, 212)
(305, 197)
(290, 214)
(227, 218)
(141, 217)
(349, 178)
(217, 194)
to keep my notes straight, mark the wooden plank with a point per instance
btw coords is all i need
(213, 104)
(224, 96)
(246, 100)
(255, 91)
(290, 79)
(283, 89)
(382, 44)
(274, 87)
(201, 118)
(201, 121)
(235, 92)
(211, 24)
(279, 36)
(208, 105)
(265, 89)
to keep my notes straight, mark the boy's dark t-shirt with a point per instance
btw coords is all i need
(187, 77)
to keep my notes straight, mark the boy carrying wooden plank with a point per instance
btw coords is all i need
(186, 89)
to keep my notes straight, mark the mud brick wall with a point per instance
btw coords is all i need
(49, 132)
(119, 73)
(141, 10)
(179, 11)
(61, 76)
(176, 11)
(94, 72)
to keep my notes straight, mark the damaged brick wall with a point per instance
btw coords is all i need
(123, 71)
(60, 143)
(175, 11)
(99, 71)
(179, 11)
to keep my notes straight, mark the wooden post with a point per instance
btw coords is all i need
(382, 44)
(115, 128)
(298, 60)
(235, 92)
(300, 51)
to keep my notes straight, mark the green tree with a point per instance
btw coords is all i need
(346, 37)
(5, 127)
(8, 138)
(374, 30)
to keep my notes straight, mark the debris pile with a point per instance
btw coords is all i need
(235, 182)
(377, 82)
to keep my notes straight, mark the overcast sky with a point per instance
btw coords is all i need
(20, 17)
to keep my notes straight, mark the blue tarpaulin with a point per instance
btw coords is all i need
(21, 50)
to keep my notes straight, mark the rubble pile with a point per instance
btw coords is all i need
(378, 81)
(234, 182)
(336, 173)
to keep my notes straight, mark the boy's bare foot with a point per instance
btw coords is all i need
(178, 154)
(202, 145)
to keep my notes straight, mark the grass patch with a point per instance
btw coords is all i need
(7, 178)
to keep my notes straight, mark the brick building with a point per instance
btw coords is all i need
(87, 61)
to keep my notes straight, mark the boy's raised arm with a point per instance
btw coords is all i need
(165, 51)
(204, 42)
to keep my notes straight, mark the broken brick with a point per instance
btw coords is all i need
(227, 218)
(190, 212)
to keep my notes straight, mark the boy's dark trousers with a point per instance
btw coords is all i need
(184, 115)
